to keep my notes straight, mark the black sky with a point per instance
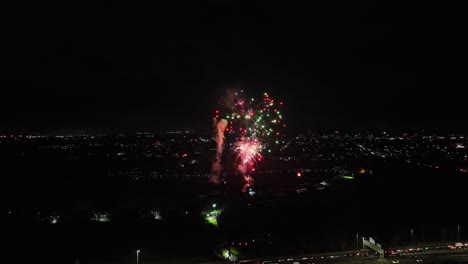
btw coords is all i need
(134, 66)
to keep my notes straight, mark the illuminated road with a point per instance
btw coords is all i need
(416, 258)
(403, 255)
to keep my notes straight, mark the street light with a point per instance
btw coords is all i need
(357, 242)
(214, 206)
(138, 252)
(411, 236)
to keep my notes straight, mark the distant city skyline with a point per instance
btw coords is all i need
(378, 127)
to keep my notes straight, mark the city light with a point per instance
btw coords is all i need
(101, 217)
(231, 254)
(211, 216)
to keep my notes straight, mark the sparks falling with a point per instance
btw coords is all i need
(248, 152)
(254, 126)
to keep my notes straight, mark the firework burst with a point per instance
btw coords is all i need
(248, 152)
(254, 125)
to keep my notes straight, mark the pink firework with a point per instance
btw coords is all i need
(255, 127)
(248, 151)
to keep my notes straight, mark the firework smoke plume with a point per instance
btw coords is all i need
(220, 126)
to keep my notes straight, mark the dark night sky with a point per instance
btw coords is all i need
(135, 66)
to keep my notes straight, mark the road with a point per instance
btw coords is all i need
(415, 255)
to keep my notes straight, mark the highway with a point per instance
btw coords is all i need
(432, 254)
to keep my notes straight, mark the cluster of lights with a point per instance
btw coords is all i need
(230, 254)
(211, 216)
(156, 215)
(101, 217)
